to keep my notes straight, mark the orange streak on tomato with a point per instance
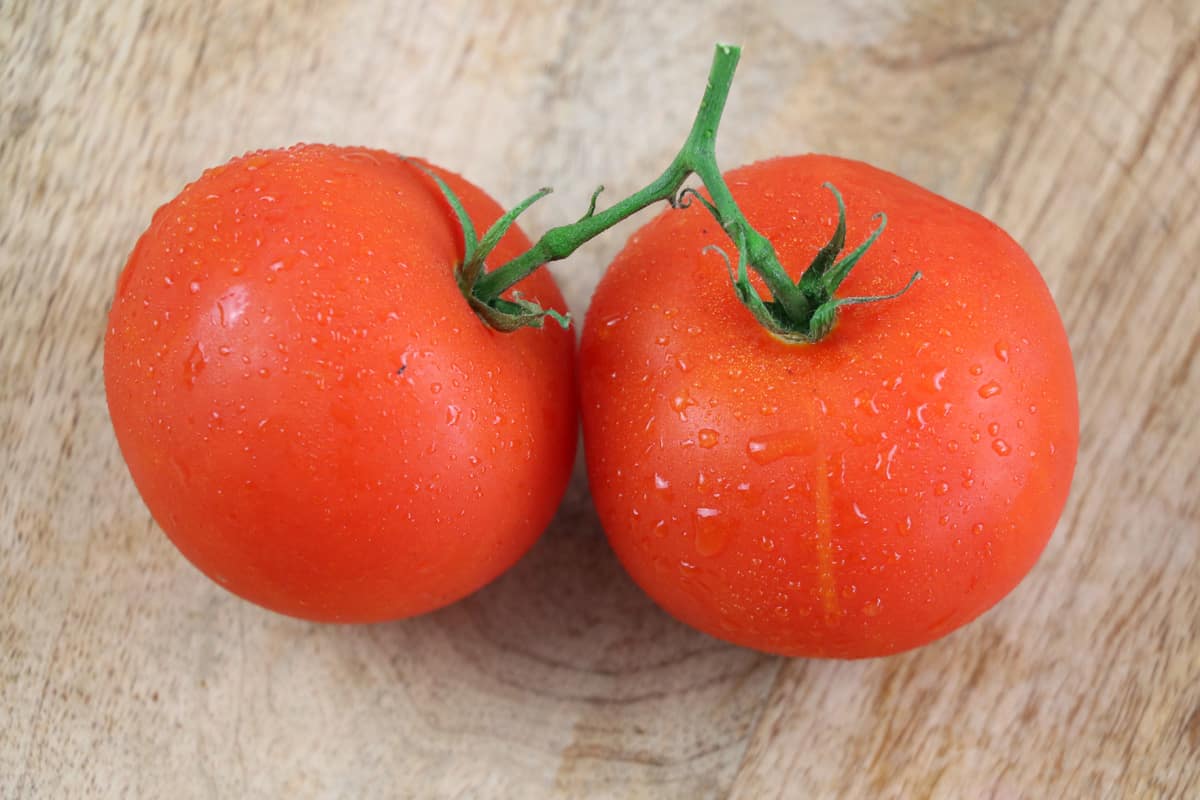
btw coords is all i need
(824, 515)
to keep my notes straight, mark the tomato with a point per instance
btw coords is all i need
(853, 497)
(308, 405)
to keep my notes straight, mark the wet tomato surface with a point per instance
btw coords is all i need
(308, 405)
(854, 497)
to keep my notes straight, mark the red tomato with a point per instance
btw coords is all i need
(307, 404)
(850, 498)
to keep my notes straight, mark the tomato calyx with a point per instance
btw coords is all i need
(805, 311)
(504, 315)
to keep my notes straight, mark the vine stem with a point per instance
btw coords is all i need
(798, 311)
(697, 156)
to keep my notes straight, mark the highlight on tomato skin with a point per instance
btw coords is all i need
(854, 497)
(307, 403)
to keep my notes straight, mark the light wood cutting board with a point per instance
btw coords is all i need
(1075, 124)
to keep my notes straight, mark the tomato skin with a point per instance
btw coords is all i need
(851, 498)
(307, 404)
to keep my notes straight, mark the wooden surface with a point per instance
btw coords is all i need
(124, 673)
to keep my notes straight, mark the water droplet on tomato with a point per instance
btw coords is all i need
(1001, 447)
(918, 416)
(712, 535)
(938, 379)
(680, 402)
(766, 543)
(452, 414)
(194, 364)
(707, 438)
(660, 482)
(976, 369)
(873, 607)
(231, 305)
(774, 446)
(435, 388)
(194, 287)
(977, 528)
(1002, 351)
(989, 389)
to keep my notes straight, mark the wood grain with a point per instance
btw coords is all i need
(1075, 124)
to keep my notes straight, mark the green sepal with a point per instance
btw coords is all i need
(507, 316)
(811, 283)
(833, 279)
(470, 237)
(473, 267)
(826, 315)
(768, 313)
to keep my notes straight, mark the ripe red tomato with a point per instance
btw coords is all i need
(308, 405)
(854, 497)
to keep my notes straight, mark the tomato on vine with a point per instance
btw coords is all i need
(336, 408)
(856, 458)
(314, 401)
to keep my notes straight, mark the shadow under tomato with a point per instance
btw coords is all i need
(565, 622)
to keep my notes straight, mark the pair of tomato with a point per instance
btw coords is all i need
(319, 421)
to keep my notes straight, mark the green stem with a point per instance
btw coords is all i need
(698, 152)
(759, 250)
(793, 313)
